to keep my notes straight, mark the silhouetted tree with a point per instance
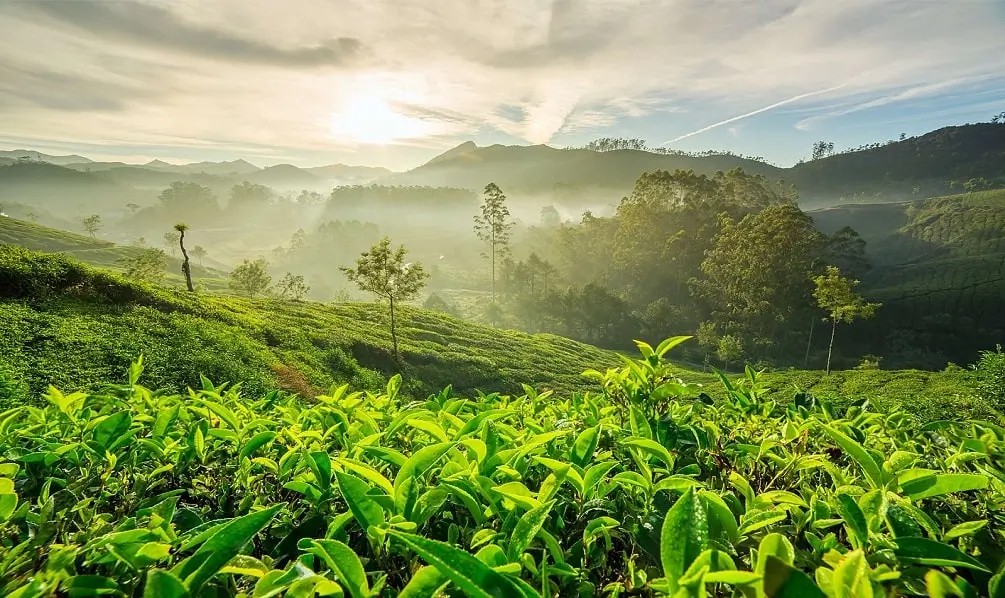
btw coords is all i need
(492, 227)
(186, 267)
(92, 224)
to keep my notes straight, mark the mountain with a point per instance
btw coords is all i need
(539, 168)
(40, 157)
(343, 172)
(241, 167)
(58, 188)
(285, 176)
(920, 166)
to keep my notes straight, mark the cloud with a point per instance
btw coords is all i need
(229, 73)
(151, 25)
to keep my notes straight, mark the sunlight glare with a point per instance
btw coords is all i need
(370, 119)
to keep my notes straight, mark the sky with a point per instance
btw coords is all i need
(394, 82)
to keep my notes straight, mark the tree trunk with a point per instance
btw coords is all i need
(186, 267)
(809, 342)
(394, 333)
(830, 347)
(493, 266)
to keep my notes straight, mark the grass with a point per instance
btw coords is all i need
(80, 334)
(98, 252)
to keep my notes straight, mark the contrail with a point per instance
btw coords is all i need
(758, 111)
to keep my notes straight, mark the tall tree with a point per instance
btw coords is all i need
(836, 295)
(186, 267)
(385, 273)
(92, 224)
(493, 227)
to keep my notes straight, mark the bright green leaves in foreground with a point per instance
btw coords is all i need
(648, 488)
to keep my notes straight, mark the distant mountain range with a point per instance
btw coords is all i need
(925, 166)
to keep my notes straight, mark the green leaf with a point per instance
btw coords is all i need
(938, 585)
(425, 583)
(873, 471)
(964, 529)
(342, 561)
(670, 343)
(526, 529)
(8, 504)
(923, 551)
(851, 577)
(355, 492)
(776, 546)
(946, 483)
(855, 520)
(720, 512)
(653, 448)
(473, 577)
(405, 492)
(224, 545)
(110, 428)
(784, 581)
(586, 444)
(163, 584)
(683, 537)
(257, 441)
(321, 464)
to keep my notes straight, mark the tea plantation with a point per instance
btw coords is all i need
(632, 479)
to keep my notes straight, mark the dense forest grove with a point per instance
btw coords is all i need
(218, 380)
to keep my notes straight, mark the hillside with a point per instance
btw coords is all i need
(96, 252)
(892, 171)
(942, 257)
(538, 168)
(62, 323)
(57, 188)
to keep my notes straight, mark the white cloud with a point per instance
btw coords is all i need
(231, 74)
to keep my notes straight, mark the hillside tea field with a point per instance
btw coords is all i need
(647, 488)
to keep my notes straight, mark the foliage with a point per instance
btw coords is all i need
(385, 273)
(188, 200)
(292, 286)
(647, 487)
(822, 149)
(148, 265)
(991, 377)
(171, 241)
(251, 278)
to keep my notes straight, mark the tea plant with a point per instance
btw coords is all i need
(647, 488)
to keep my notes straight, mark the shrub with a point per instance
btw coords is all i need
(991, 377)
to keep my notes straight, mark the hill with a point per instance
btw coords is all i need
(97, 252)
(58, 188)
(284, 176)
(919, 166)
(942, 257)
(63, 323)
(37, 156)
(539, 168)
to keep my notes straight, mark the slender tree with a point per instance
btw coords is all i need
(251, 278)
(385, 273)
(171, 240)
(186, 267)
(493, 228)
(835, 294)
(199, 252)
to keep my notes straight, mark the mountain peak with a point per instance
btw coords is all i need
(465, 148)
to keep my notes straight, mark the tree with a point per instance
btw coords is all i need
(999, 119)
(708, 339)
(186, 267)
(189, 200)
(32, 216)
(550, 218)
(251, 277)
(293, 287)
(492, 227)
(385, 273)
(249, 195)
(822, 149)
(171, 239)
(730, 348)
(846, 250)
(92, 224)
(132, 207)
(835, 294)
(147, 265)
(298, 240)
(199, 253)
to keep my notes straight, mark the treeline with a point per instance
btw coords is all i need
(730, 255)
(611, 144)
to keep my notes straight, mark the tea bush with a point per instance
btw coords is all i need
(647, 487)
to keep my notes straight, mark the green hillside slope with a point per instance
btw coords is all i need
(938, 262)
(65, 324)
(96, 252)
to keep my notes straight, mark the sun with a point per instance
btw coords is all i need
(371, 119)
